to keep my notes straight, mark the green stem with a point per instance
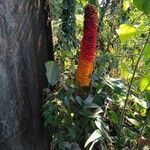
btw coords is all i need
(128, 94)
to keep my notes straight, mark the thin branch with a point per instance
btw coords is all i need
(128, 92)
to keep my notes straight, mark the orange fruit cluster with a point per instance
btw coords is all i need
(88, 47)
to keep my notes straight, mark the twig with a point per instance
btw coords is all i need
(128, 93)
(137, 18)
(106, 108)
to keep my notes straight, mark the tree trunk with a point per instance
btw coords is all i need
(22, 75)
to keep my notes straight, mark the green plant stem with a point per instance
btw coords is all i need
(128, 93)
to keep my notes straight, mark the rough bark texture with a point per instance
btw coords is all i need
(48, 27)
(22, 75)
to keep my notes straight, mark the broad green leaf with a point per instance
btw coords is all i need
(126, 31)
(147, 52)
(126, 5)
(146, 6)
(144, 83)
(52, 72)
(138, 4)
(143, 5)
(124, 70)
(125, 74)
(95, 135)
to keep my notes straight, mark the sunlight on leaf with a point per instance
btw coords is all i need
(95, 135)
(133, 121)
(147, 52)
(138, 4)
(126, 31)
(83, 2)
(141, 102)
(144, 83)
(98, 123)
(125, 74)
(126, 5)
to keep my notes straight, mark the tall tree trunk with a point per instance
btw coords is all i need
(48, 27)
(22, 75)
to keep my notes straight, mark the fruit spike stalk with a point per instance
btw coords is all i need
(88, 47)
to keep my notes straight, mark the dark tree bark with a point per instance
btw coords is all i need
(48, 27)
(22, 75)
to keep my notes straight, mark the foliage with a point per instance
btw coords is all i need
(56, 9)
(113, 112)
(67, 38)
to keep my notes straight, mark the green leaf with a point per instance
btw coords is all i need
(125, 74)
(143, 5)
(144, 83)
(126, 5)
(93, 2)
(147, 52)
(114, 116)
(129, 134)
(95, 135)
(146, 6)
(52, 72)
(124, 70)
(83, 2)
(126, 31)
(138, 4)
